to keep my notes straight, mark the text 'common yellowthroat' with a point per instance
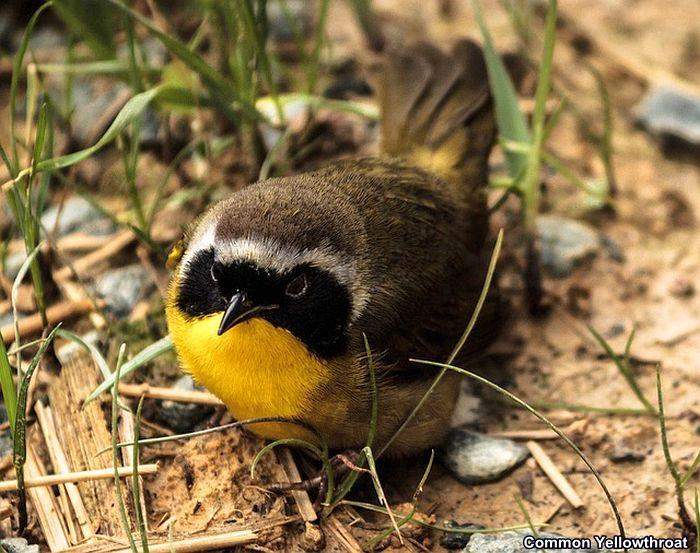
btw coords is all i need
(277, 284)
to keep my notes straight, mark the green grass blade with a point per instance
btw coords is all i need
(7, 385)
(439, 528)
(697, 520)
(14, 292)
(624, 368)
(296, 442)
(526, 514)
(11, 169)
(237, 424)
(380, 491)
(531, 181)
(315, 58)
(694, 466)
(510, 119)
(16, 74)
(131, 111)
(552, 426)
(19, 432)
(126, 525)
(136, 482)
(223, 89)
(97, 357)
(93, 22)
(146, 355)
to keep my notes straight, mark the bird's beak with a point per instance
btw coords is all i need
(239, 309)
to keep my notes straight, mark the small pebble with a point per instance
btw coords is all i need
(625, 454)
(122, 288)
(467, 408)
(18, 545)
(184, 417)
(565, 243)
(76, 214)
(475, 458)
(670, 113)
(280, 24)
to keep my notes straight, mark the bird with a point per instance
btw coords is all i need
(277, 291)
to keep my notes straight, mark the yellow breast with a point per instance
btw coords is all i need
(256, 369)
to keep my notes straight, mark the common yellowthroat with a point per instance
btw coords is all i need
(275, 286)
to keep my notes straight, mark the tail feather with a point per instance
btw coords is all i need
(436, 111)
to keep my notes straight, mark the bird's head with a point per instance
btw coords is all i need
(238, 275)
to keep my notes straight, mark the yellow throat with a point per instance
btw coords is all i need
(256, 369)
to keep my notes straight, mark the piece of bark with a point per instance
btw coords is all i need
(61, 466)
(43, 500)
(84, 432)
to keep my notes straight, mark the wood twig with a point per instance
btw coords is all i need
(301, 497)
(50, 519)
(80, 476)
(342, 535)
(202, 543)
(171, 394)
(554, 474)
(56, 313)
(61, 466)
(81, 266)
(126, 435)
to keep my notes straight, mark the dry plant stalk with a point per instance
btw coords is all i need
(126, 434)
(290, 473)
(44, 480)
(52, 524)
(60, 465)
(172, 394)
(56, 313)
(82, 266)
(342, 535)
(554, 474)
(83, 432)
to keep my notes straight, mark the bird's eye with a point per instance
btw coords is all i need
(296, 287)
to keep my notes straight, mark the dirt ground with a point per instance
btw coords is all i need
(645, 277)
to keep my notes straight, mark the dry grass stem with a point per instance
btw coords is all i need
(57, 313)
(554, 474)
(172, 394)
(79, 476)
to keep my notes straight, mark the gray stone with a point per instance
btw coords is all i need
(96, 106)
(279, 24)
(667, 112)
(565, 243)
(184, 417)
(475, 458)
(18, 545)
(122, 288)
(76, 214)
(13, 262)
